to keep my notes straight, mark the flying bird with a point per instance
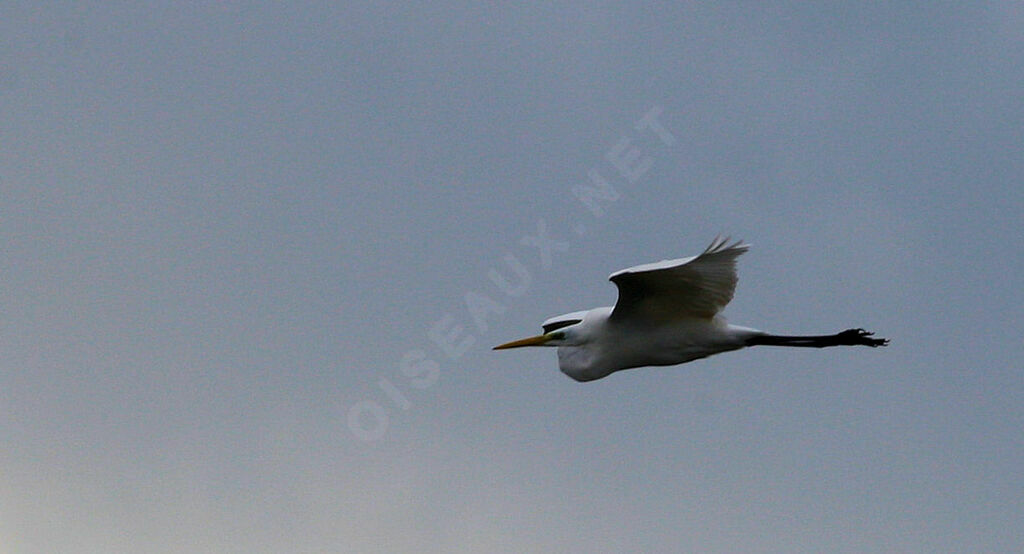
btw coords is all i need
(667, 313)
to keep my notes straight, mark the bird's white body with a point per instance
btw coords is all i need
(667, 314)
(613, 346)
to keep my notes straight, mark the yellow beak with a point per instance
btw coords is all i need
(539, 340)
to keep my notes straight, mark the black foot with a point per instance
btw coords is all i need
(862, 337)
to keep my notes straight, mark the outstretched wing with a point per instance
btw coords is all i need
(699, 286)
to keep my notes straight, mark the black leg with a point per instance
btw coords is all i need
(850, 337)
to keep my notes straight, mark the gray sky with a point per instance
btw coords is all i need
(249, 259)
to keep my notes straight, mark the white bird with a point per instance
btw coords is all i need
(667, 314)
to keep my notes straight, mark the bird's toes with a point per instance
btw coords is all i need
(878, 342)
(862, 336)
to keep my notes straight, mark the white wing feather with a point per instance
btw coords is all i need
(695, 287)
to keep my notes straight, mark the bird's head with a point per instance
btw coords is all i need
(566, 336)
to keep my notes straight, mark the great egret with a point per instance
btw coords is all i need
(667, 314)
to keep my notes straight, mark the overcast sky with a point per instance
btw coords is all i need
(254, 259)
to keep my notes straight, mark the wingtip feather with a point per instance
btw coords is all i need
(721, 244)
